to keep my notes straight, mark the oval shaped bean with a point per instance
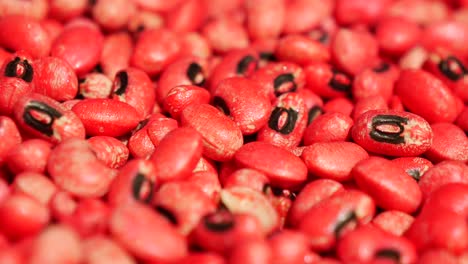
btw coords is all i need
(221, 136)
(392, 133)
(284, 169)
(388, 184)
(333, 160)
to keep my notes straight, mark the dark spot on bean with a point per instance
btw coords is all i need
(340, 81)
(382, 67)
(20, 69)
(219, 103)
(139, 183)
(348, 218)
(267, 56)
(41, 126)
(195, 74)
(314, 112)
(121, 82)
(284, 83)
(219, 221)
(283, 120)
(381, 133)
(246, 65)
(141, 125)
(415, 173)
(389, 253)
(98, 69)
(452, 68)
(167, 214)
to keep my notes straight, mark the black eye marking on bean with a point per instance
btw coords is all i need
(337, 83)
(219, 221)
(167, 214)
(11, 69)
(244, 64)
(314, 112)
(282, 79)
(44, 128)
(444, 67)
(383, 67)
(348, 218)
(195, 74)
(138, 182)
(291, 119)
(219, 103)
(415, 173)
(268, 56)
(385, 136)
(389, 253)
(122, 78)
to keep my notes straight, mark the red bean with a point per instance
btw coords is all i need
(328, 127)
(177, 154)
(109, 150)
(154, 50)
(22, 216)
(106, 117)
(333, 160)
(31, 155)
(367, 244)
(100, 249)
(443, 173)
(153, 237)
(23, 33)
(239, 99)
(259, 18)
(10, 133)
(221, 138)
(116, 53)
(36, 185)
(134, 87)
(282, 168)
(181, 96)
(449, 143)
(430, 98)
(392, 133)
(393, 221)
(68, 46)
(45, 118)
(184, 204)
(55, 78)
(75, 168)
(359, 11)
(388, 184)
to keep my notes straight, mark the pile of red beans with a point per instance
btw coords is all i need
(233, 131)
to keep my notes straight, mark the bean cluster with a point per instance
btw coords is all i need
(233, 131)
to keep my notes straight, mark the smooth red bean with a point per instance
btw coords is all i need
(443, 173)
(22, 216)
(101, 249)
(312, 193)
(31, 155)
(68, 46)
(10, 133)
(388, 184)
(225, 34)
(449, 143)
(116, 53)
(333, 160)
(283, 168)
(23, 33)
(353, 51)
(36, 185)
(149, 229)
(177, 154)
(328, 127)
(154, 50)
(259, 18)
(106, 117)
(396, 35)
(430, 98)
